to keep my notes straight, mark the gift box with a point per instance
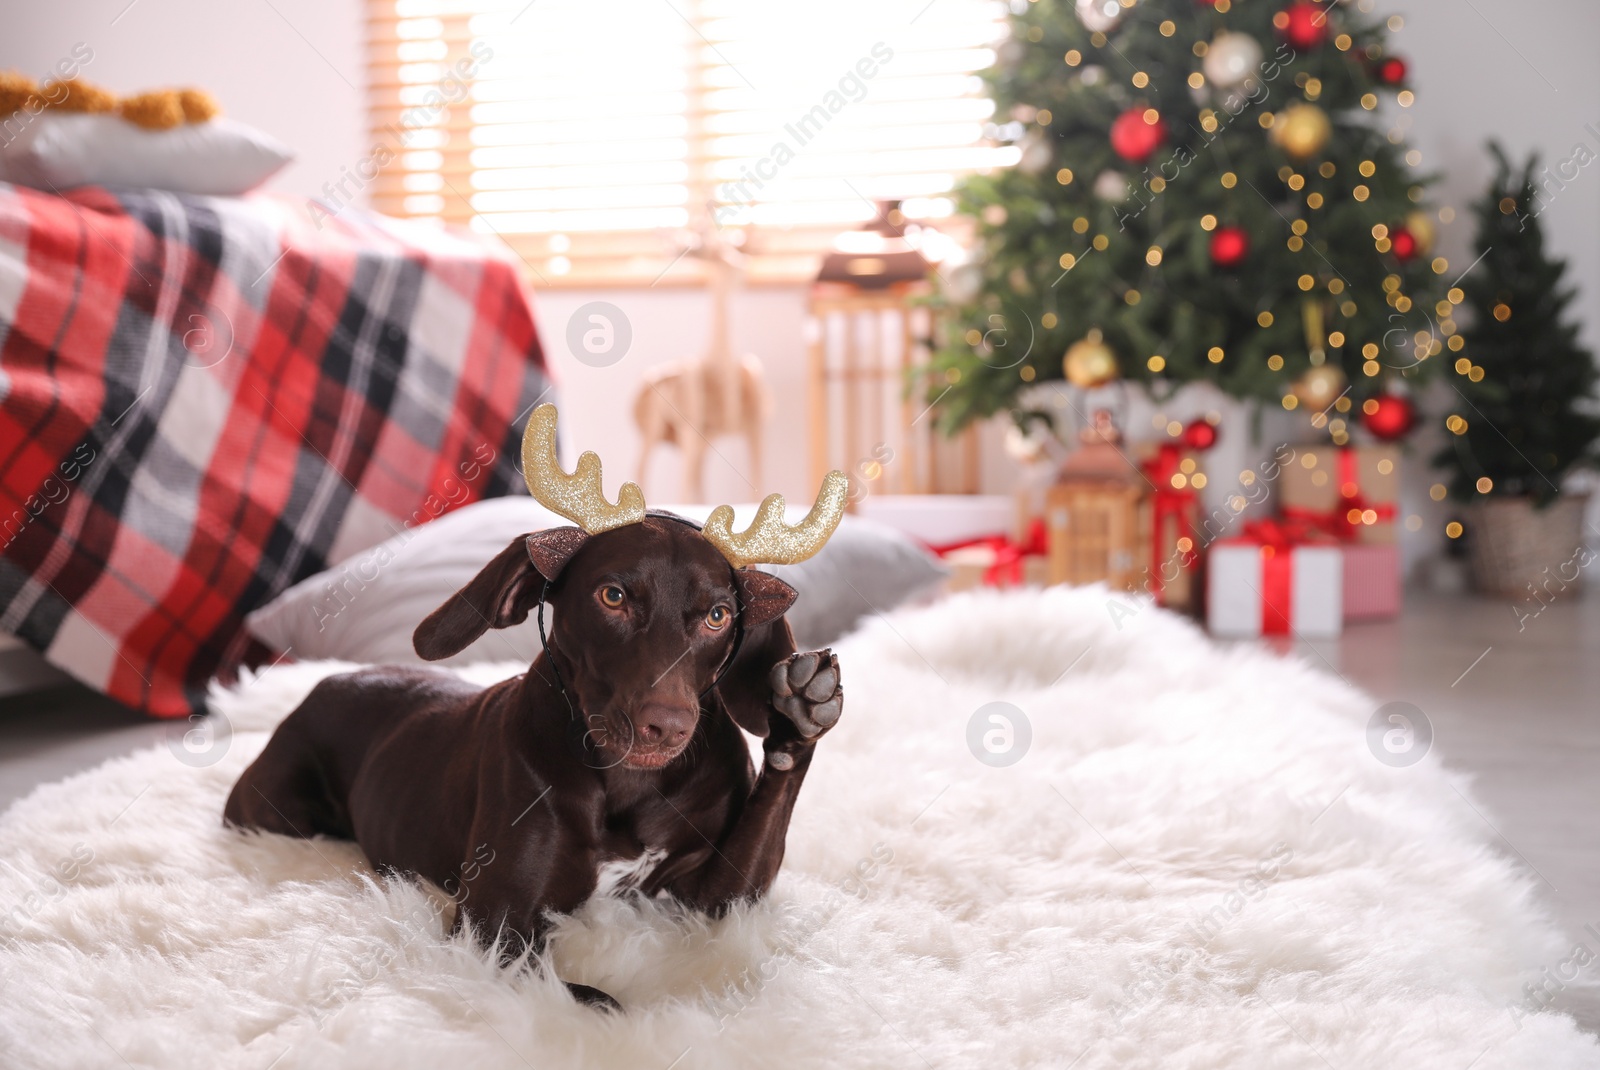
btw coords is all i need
(1371, 580)
(975, 567)
(996, 560)
(1351, 492)
(1275, 580)
(1174, 508)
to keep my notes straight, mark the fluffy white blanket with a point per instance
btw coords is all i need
(1197, 862)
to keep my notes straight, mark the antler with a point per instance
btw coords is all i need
(577, 497)
(769, 540)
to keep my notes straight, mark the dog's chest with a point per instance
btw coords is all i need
(637, 840)
(641, 830)
(619, 876)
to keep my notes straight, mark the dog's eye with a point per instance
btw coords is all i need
(612, 596)
(718, 617)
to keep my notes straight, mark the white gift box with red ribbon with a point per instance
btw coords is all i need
(1258, 588)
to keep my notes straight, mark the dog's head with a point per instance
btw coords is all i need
(650, 610)
(646, 618)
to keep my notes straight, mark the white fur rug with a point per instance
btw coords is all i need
(1197, 863)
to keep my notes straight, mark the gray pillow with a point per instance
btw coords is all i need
(865, 568)
(364, 609)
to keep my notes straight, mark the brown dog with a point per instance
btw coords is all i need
(620, 743)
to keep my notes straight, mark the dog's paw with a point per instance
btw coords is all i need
(807, 692)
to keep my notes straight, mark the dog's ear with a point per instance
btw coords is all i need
(764, 596)
(551, 549)
(746, 688)
(499, 596)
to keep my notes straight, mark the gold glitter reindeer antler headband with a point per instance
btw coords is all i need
(769, 540)
(580, 499)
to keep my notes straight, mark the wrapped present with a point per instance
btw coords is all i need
(1275, 579)
(974, 568)
(996, 560)
(1371, 580)
(1351, 492)
(1174, 507)
(968, 567)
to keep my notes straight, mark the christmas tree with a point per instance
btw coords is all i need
(1522, 379)
(1203, 192)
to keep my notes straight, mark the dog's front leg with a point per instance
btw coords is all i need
(806, 701)
(511, 907)
(746, 862)
(519, 876)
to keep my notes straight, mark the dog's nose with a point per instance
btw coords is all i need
(664, 726)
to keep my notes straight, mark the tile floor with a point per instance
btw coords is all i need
(1516, 704)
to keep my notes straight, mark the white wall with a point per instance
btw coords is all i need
(674, 324)
(297, 75)
(1522, 70)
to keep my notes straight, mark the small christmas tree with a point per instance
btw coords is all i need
(1203, 192)
(1523, 381)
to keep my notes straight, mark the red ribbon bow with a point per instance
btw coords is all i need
(1282, 534)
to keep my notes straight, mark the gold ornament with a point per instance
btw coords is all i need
(1302, 131)
(1420, 224)
(580, 499)
(1089, 363)
(1319, 387)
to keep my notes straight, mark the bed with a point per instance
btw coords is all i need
(205, 400)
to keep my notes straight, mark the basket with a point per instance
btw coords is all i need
(1517, 549)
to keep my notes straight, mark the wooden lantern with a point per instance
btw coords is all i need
(871, 334)
(1097, 514)
(864, 350)
(1097, 533)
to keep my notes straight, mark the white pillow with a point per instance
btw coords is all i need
(221, 158)
(365, 609)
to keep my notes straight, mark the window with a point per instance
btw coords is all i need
(591, 136)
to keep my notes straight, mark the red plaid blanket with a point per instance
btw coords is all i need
(205, 400)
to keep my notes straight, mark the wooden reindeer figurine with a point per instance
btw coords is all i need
(689, 403)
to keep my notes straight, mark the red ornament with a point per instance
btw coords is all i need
(1403, 244)
(1229, 246)
(1133, 138)
(1391, 71)
(1388, 417)
(1303, 24)
(1200, 435)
